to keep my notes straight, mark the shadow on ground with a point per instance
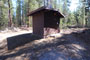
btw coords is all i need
(15, 41)
(67, 47)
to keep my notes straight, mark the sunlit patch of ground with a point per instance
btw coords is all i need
(64, 46)
(16, 31)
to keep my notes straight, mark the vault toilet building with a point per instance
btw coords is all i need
(45, 21)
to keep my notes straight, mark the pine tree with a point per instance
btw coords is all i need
(3, 14)
(9, 12)
(18, 13)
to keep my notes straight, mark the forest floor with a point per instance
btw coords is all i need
(70, 44)
(13, 32)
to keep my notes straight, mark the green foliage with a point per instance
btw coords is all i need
(80, 17)
(18, 12)
(3, 16)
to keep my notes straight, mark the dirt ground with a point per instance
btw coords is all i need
(70, 44)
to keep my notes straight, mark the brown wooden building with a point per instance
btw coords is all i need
(45, 21)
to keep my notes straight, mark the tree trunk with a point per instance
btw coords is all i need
(28, 12)
(51, 3)
(83, 14)
(47, 2)
(9, 12)
(55, 6)
(0, 12)
(44, 2)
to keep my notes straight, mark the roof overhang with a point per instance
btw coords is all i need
(45, 9)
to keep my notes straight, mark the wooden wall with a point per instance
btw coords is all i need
(38, 24)
(51, 23)
(45, 23)
(51, 20)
